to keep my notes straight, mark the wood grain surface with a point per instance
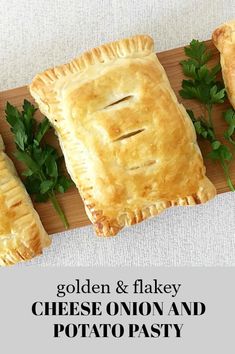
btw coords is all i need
(71, 201)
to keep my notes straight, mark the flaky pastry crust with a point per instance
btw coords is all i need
(224, 39)
(22, 235)
(129, 146)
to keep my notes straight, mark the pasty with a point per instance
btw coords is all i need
(224, 39)
(22, 235)
(129, 146)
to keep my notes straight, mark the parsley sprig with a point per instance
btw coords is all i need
(204, 87)
(43, 175)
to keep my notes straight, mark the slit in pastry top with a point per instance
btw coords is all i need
(129, 135)
(116, 103)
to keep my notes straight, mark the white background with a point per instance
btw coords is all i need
(38, 34)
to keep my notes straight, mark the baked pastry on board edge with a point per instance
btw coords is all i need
(129, 146)
(224, 39)
(22, 235)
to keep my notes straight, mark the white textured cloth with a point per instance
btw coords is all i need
(37, 34)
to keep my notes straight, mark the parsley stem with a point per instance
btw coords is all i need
(209, 110)
(58, 209)
(55, 203)
(227, 175)
(231, 141)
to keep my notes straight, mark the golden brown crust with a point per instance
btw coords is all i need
(22, 235)
(224, 39)
(129, 146)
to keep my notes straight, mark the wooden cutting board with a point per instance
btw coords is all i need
(71, 201)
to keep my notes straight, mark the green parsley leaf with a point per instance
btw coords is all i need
(42, 129)
(229, 117)
(12, 114)
(221, 153)
(51, 166)
(189, 68)
(198, 51)
(63, 184)
(45, 186)
(27, 160)
(216, 145)
(217, 96)
(32, 184)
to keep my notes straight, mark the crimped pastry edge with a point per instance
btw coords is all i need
(127, 47)
(106, 227)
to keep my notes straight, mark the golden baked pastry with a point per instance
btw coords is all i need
(129, 146)
(22, 235)
(224, 39)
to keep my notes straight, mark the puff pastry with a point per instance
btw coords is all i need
(129, 146)
(22, 235)
(224, 39)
